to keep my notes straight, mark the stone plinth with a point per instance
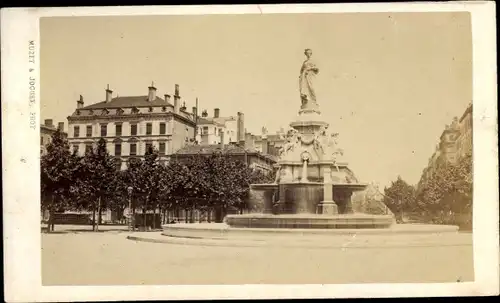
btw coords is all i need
(328, 208)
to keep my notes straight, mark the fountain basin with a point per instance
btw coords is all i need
(310, 221)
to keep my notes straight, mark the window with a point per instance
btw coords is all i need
(76, 131)
(149, 145)
(149, 128)
(205, 130)
(162, 148)
(88, 147)
(41, 140)
(118, 149)
(133, 149)
(162, 128)
(89, 131)
(76, 148)
(118, 128)
(104, 130)
(133, 129)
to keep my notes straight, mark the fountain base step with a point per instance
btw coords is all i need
(310, 221)
(221, 234)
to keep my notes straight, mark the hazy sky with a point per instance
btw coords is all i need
(388, 83)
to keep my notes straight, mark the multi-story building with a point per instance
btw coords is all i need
(253, 158)
(268, 143)
(130, 124)
(46, 131)
(211, 130)
(455, 142)
(464, 140)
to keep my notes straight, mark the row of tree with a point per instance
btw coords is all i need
(95, 183)
(439, 199)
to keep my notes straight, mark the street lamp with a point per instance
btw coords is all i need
(129, 189)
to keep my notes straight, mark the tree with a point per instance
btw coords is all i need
(96, 181)
(145, 179)
(448, 191)
(58, 169)
(400, 197)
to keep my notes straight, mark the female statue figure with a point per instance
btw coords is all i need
(308, 72)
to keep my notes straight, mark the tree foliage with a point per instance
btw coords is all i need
(400, 197)
(58, 170)
(448, 191)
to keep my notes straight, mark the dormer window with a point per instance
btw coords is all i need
(164, 109)
(135, 110)
(91, 112)
(150, 109)
(119, 111)
(78, 112)
(104, 112)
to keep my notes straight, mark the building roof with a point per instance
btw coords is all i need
(204, 121)
(129, 101)
(232, 149)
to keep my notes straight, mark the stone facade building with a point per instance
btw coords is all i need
(266, 143)
(46, 131)
(252, 157)
(455, 142)
(211, 130)
(130, 124)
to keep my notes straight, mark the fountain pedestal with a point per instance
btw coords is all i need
(328, 206)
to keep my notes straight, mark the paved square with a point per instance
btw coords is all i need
(108, 258)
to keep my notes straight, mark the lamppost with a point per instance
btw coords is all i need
(129, 189)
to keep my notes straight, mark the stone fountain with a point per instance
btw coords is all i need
(309, 204)
(313, 187)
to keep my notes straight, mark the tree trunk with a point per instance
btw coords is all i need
(93, 216)
(132, 218)
(191, 215)
(154, 217)
(99, 213)
(51, 215)
(186, 211)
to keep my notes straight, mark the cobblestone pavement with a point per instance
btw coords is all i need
(108, 258)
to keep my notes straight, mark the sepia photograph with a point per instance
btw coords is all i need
(263, 148)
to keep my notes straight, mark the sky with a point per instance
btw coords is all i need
(388, 82)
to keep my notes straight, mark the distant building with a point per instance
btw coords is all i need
(130, 124)
(211, 130)
(253, 158)
(46, 131)
(455, 142)
(266, 143)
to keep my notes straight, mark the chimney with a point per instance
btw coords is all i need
(48, 122)
(248, 140)
(167, 98)
(152, 92)
(177, 90)
(109, 94)
(177, 99)
(240, 137)
(60, 126)
(79, 103)
(183, 108)
(204, 113)
(216, 113)
(265, 145)
(194, 111)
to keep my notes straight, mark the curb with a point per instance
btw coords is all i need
(162, 239)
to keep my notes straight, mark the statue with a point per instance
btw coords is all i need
(307, 73)
(292, 140)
